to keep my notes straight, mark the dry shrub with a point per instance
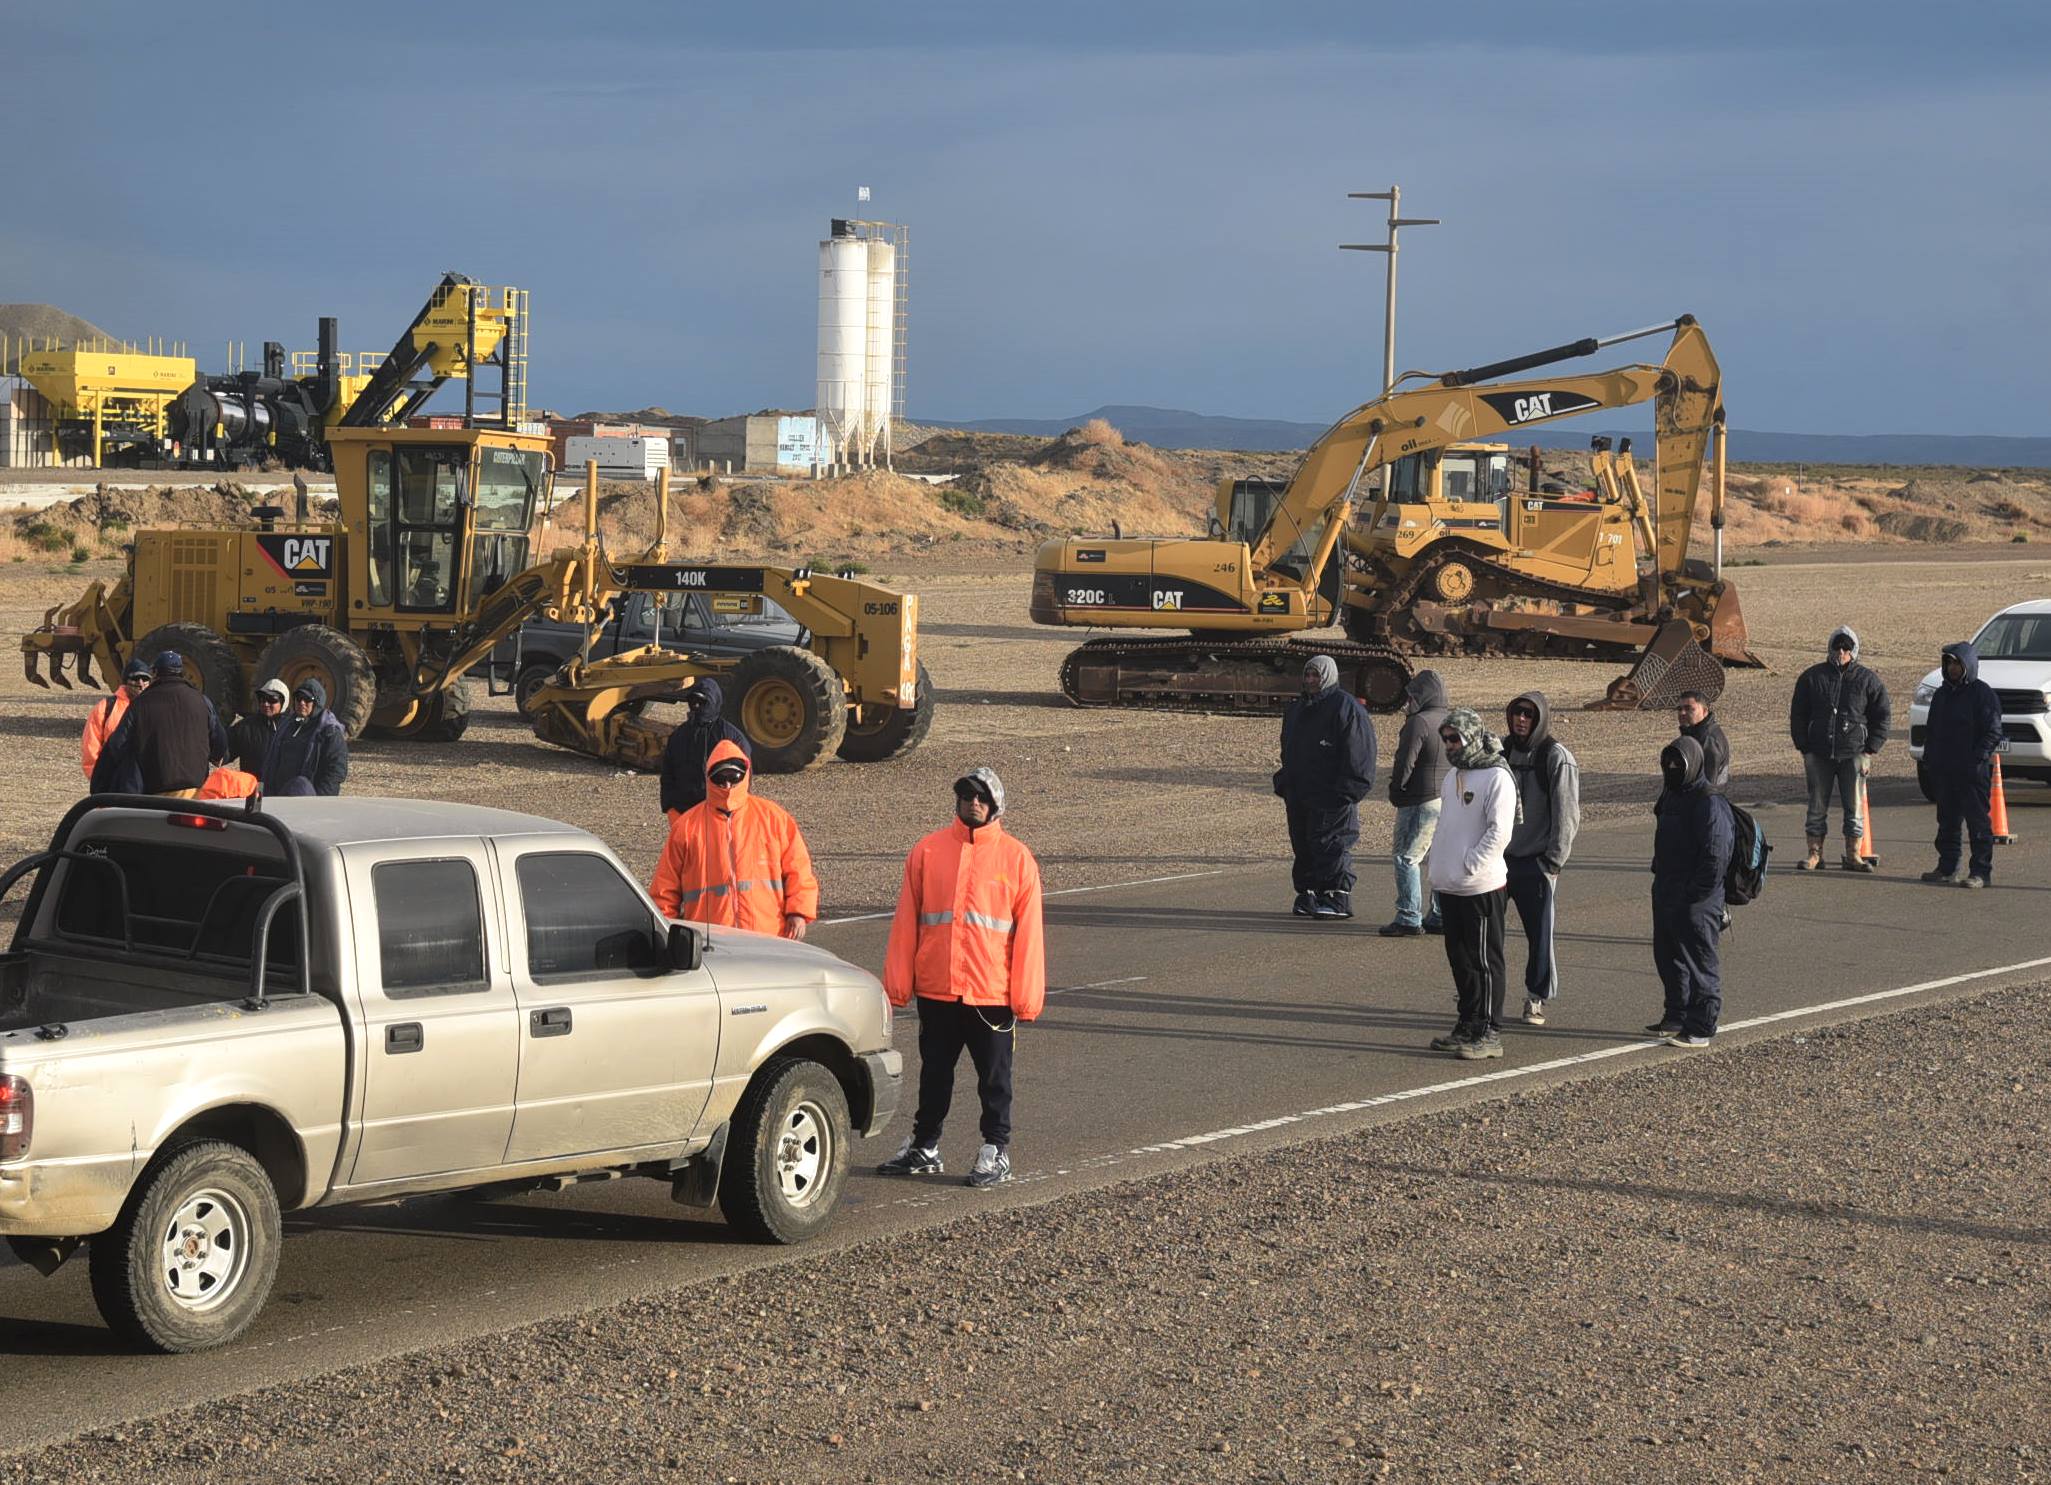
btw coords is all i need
(1854, 523)
(1100, 434)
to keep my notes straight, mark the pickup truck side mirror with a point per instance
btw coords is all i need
(686, 948)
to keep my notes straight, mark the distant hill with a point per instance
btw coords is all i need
(40, 322)
(1169, 428)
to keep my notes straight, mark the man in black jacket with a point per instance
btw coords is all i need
(249, 740)
(310, 754)
(1838, 718)
(1959, 742)
(1699, 722)
(1691, 851)
(168, 742)
(1327, 768)
(1414, 779)
(690, 746)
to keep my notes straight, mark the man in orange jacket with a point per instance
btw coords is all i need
(106, 715)
(735, 860)
(967, 942)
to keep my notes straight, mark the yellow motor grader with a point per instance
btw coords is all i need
(428, 567)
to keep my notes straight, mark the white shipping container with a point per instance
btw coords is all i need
(636, 458)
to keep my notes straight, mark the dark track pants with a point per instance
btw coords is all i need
(1686, 938)
(1966, 798)
(1534, 893)
(1474, 949)
(945, 1027)
(1322, 837)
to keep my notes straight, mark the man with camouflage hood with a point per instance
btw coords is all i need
(1477, 813)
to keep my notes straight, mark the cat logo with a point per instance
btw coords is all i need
(1168, 598)
(302, 557)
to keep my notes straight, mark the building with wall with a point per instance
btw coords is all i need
(760, 443)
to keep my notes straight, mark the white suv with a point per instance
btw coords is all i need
(2015, 659)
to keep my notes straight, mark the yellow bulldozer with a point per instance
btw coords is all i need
(1445, 558)
(428, 566)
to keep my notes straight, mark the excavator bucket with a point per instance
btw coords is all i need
(1728, 640)
(1671, 664)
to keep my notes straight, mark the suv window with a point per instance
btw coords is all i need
(583, 918)
(430, 927)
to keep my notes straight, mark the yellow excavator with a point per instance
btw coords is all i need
(1447, 558)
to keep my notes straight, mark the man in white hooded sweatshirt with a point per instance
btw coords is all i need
(1477, 812)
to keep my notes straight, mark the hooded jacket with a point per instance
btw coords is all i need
(967, 925)
(736, 861)
(688, 753)
(315, 749)
(1838, 712)
(1548, 791)
(1695, 835)
(1328, 748)
(1420, 763)
(1477, 812)
(249, 740)
(1963, 730)
(1716, 752)
(167, 741)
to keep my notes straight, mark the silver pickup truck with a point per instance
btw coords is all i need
(210, 1015)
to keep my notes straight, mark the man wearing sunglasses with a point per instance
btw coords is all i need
(106, 715)
(250, 738)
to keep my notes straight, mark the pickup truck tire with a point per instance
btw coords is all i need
(787, 1153)
(189, 1263)
(316, 652)
(896, 730)
(531, 679)
(209, 661)
(791, 705)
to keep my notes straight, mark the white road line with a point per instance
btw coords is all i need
(1187, 876)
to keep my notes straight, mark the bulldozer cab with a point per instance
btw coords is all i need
(1461, 472)
(438, 519)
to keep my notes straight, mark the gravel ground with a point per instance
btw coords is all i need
(1821, 1257)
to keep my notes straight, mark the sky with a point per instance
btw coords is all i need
(1108, 202)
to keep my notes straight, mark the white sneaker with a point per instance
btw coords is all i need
(992, 1167)
(1534, 1012)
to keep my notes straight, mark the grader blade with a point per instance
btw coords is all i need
(1671, 664)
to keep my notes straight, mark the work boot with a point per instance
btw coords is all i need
(1814, 860)
(1853, 861)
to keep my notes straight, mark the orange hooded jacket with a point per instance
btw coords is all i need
(227, 783)
(100, 723)
(968, 923)
(735, 860)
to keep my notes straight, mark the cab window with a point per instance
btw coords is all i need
(378, 528)
(583, 919)
(430, 928)
(431, 495)
(1458, 476)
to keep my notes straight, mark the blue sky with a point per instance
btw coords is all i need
(1109, 202)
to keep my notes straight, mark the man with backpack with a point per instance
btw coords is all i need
(1691, 856)
(1549, 815)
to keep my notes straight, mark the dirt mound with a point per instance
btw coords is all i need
(43, 322)
(110, 514)
(1914, 526)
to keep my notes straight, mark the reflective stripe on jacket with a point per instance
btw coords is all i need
(736, 861)
(968, 923)
(100, 723)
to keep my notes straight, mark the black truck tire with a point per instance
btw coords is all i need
(895, 732)
(791, 705)
(210, 662)
(189, 1262)
(316, 652)
(787, 1153)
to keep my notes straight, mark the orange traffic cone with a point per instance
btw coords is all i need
(1869, 845)
(1998, 810)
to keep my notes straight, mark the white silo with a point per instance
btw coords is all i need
(881, 345)
(843, 349)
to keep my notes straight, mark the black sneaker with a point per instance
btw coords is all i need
(1452, 1041)
(1489, 1045)
(1434, 925)
(1693, 1040)
(1664, 1028)
(992, 1168)
(1401, 930)
(1942, 877)
(1334, 905)
(1306, 905)
(912, 1161)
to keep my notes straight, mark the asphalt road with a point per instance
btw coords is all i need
(1192, 1016)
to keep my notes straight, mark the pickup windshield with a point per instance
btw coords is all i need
(174, 899)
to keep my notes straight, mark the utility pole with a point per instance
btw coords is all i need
(1394, 196)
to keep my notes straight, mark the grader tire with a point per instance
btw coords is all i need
(316, 652)
(791, 705)
(209, 661)
(895, 732)
(442, 717)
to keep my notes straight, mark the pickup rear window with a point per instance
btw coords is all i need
(182, 900)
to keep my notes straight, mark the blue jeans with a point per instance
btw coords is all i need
(1827, 776)
(1416, 824)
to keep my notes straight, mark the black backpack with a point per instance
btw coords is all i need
(1745, 878)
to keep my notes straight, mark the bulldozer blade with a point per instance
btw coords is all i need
(1671, 664)
(1728, 640)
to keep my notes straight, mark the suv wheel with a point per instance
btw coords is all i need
(788, 1153)
(189, 1263)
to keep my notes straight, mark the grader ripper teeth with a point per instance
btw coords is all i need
(1224, 674)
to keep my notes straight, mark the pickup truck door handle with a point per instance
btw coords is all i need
(555, 1021)
(405, 1036)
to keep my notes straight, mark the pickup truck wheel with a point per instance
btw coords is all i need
(792, 706)
(876, 734)
(531, 679)
(190, 1261)
(788, 1153)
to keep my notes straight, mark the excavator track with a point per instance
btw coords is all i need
(1225, 673)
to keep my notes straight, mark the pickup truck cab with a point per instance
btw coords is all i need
(210, 1015)
(2015, 659)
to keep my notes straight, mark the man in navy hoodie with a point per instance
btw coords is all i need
(310, 753)
(1691, 851)
(1959, 742)
(1327, 769)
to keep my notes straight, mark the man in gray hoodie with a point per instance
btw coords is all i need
(1414, 778)
(1549, 805)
